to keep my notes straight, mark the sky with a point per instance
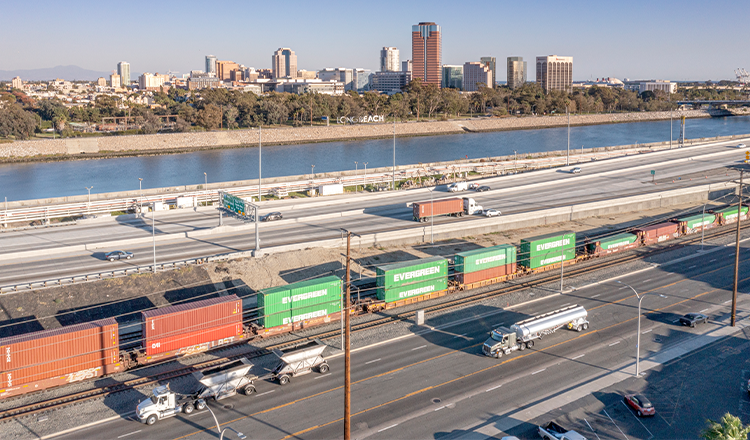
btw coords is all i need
(675, 40)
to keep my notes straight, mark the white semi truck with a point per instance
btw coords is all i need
(522, 334)
(218, 383)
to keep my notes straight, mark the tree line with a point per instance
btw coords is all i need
(210, 109)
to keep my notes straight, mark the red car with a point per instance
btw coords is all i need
(640, 404)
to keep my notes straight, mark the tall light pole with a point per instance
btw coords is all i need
(313, 171)
(140, 190)
(356, 173)
(393, 177)
(638, 341)
(670, 121)
(567, 158)
(364, 182)
(88, 208)
(737, 256)
(515, 159)
(153, 232)
(260, 158)
(432, 217)
(222, 431)
(205, 186)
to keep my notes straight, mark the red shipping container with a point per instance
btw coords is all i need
(57, 352)
(486, 274)
(170, 322)
(659, 232)
(232, 333)
(427, 209)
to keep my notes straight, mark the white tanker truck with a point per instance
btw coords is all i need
(521, 335)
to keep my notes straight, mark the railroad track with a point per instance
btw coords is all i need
(578, 269)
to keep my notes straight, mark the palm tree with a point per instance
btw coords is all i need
(730, 428)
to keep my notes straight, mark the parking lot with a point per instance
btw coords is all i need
(703, 385)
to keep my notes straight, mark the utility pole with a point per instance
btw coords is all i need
(394, 154)
(260, 159)
(737, 257)
(567, 157)
(347, 339)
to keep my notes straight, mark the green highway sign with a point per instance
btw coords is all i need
(233, 203)
(653, 171)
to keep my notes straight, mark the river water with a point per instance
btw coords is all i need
(56, 179)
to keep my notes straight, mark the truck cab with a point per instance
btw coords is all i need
(471, 207)
(502, 340)
(165, 403)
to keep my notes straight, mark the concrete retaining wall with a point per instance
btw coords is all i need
(204, 140)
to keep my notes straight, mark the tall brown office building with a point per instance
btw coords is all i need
(284, 63)
(555, 73)
(426, 53)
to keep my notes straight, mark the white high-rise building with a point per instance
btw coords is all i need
(389, 59)
(123, 69)
(211, 64)
(16, 83)
(516, 72)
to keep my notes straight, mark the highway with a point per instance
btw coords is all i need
(435, 383)
(310, 220)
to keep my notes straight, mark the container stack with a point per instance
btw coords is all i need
(187, 325)
(658, 233)
(409, 279)
(484, 264)
(614, 243)
(64, 355)
(729, 215)
(299, 302)
(697, 223)
(547, 249)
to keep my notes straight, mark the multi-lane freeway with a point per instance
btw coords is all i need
(434, 382)
(311, 220)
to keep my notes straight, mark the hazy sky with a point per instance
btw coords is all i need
(676, 40)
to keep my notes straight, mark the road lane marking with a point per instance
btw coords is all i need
(577, 357)
(262, 394)
(613, 422)
(727, 301)
(538, 371)
(704, 310)
(320, 377)
(199, 412)
(596, 295)
(692, 267)
(418, 348)
(493, 388)
(712, 260)
(460, 336)
(646, 281)
(647, 331)
(131, 433)
(372, 361)
(436, 410)
(639, 421)
(592, 429)
(498, 325)
(614, 343)
(389, 427)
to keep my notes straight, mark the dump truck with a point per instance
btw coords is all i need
(299, 362)
(553, 431)
(522, 334)
(217, 383)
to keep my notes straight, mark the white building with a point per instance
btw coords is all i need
(149, 81)
(342, 74)
(123, 69)
(362, 79)
(302, 86)
(476, 74)
(389, 59)
(555, 73)
(659, 84)
(16, 83)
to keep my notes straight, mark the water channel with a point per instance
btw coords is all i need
(26, 181)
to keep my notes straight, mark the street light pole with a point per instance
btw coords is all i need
(432, 217)
(393, 177)
(153, 232)
(638, 337)
(260, 157)
(205, 186)
(140, 190)
(356, 173)
(567, 158)
(515, 159)
(313, 171)
(737, 257)
(222, 431)
(88, 207)
(364, 182)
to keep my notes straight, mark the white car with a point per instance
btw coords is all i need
(741, 146)
(576, 170)
(492, 213)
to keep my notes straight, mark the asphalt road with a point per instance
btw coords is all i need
(382, 211)
(437, 384)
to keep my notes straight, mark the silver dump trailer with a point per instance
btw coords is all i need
(218, 382)
(522, 334)
(300, 361)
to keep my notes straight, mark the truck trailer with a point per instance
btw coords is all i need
(457, 207)
(522, 334)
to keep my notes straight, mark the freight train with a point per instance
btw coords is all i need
(49, 358)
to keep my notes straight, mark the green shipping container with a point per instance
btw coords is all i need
(487, 258)
(409, 272)
(398, 293)
(695, 221)
(273, 306)
(732, 211)
(315, 311)
(551, 258)
(618, 240)
(545, 245)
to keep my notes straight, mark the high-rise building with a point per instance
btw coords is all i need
(453, 76)
(389, 59)
(211, 64)
(555, 73)
(115, 81)
(406, 66)
(101, 82)
(148, 81)
(284, 63)
(426, 53)
(517, 72)
(476, 74)
(224, 69)
(123, 69)
(362, 79)
(491, 62)
(16, 82)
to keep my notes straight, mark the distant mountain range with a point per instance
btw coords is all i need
(70, 73)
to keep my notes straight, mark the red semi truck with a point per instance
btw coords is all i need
(422, 211)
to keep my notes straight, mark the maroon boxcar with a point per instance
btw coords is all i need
(173, 327)
(486, 274)
(658, 233)
(47, 358)
(422, 211)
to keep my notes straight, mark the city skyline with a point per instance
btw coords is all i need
(659, 46)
